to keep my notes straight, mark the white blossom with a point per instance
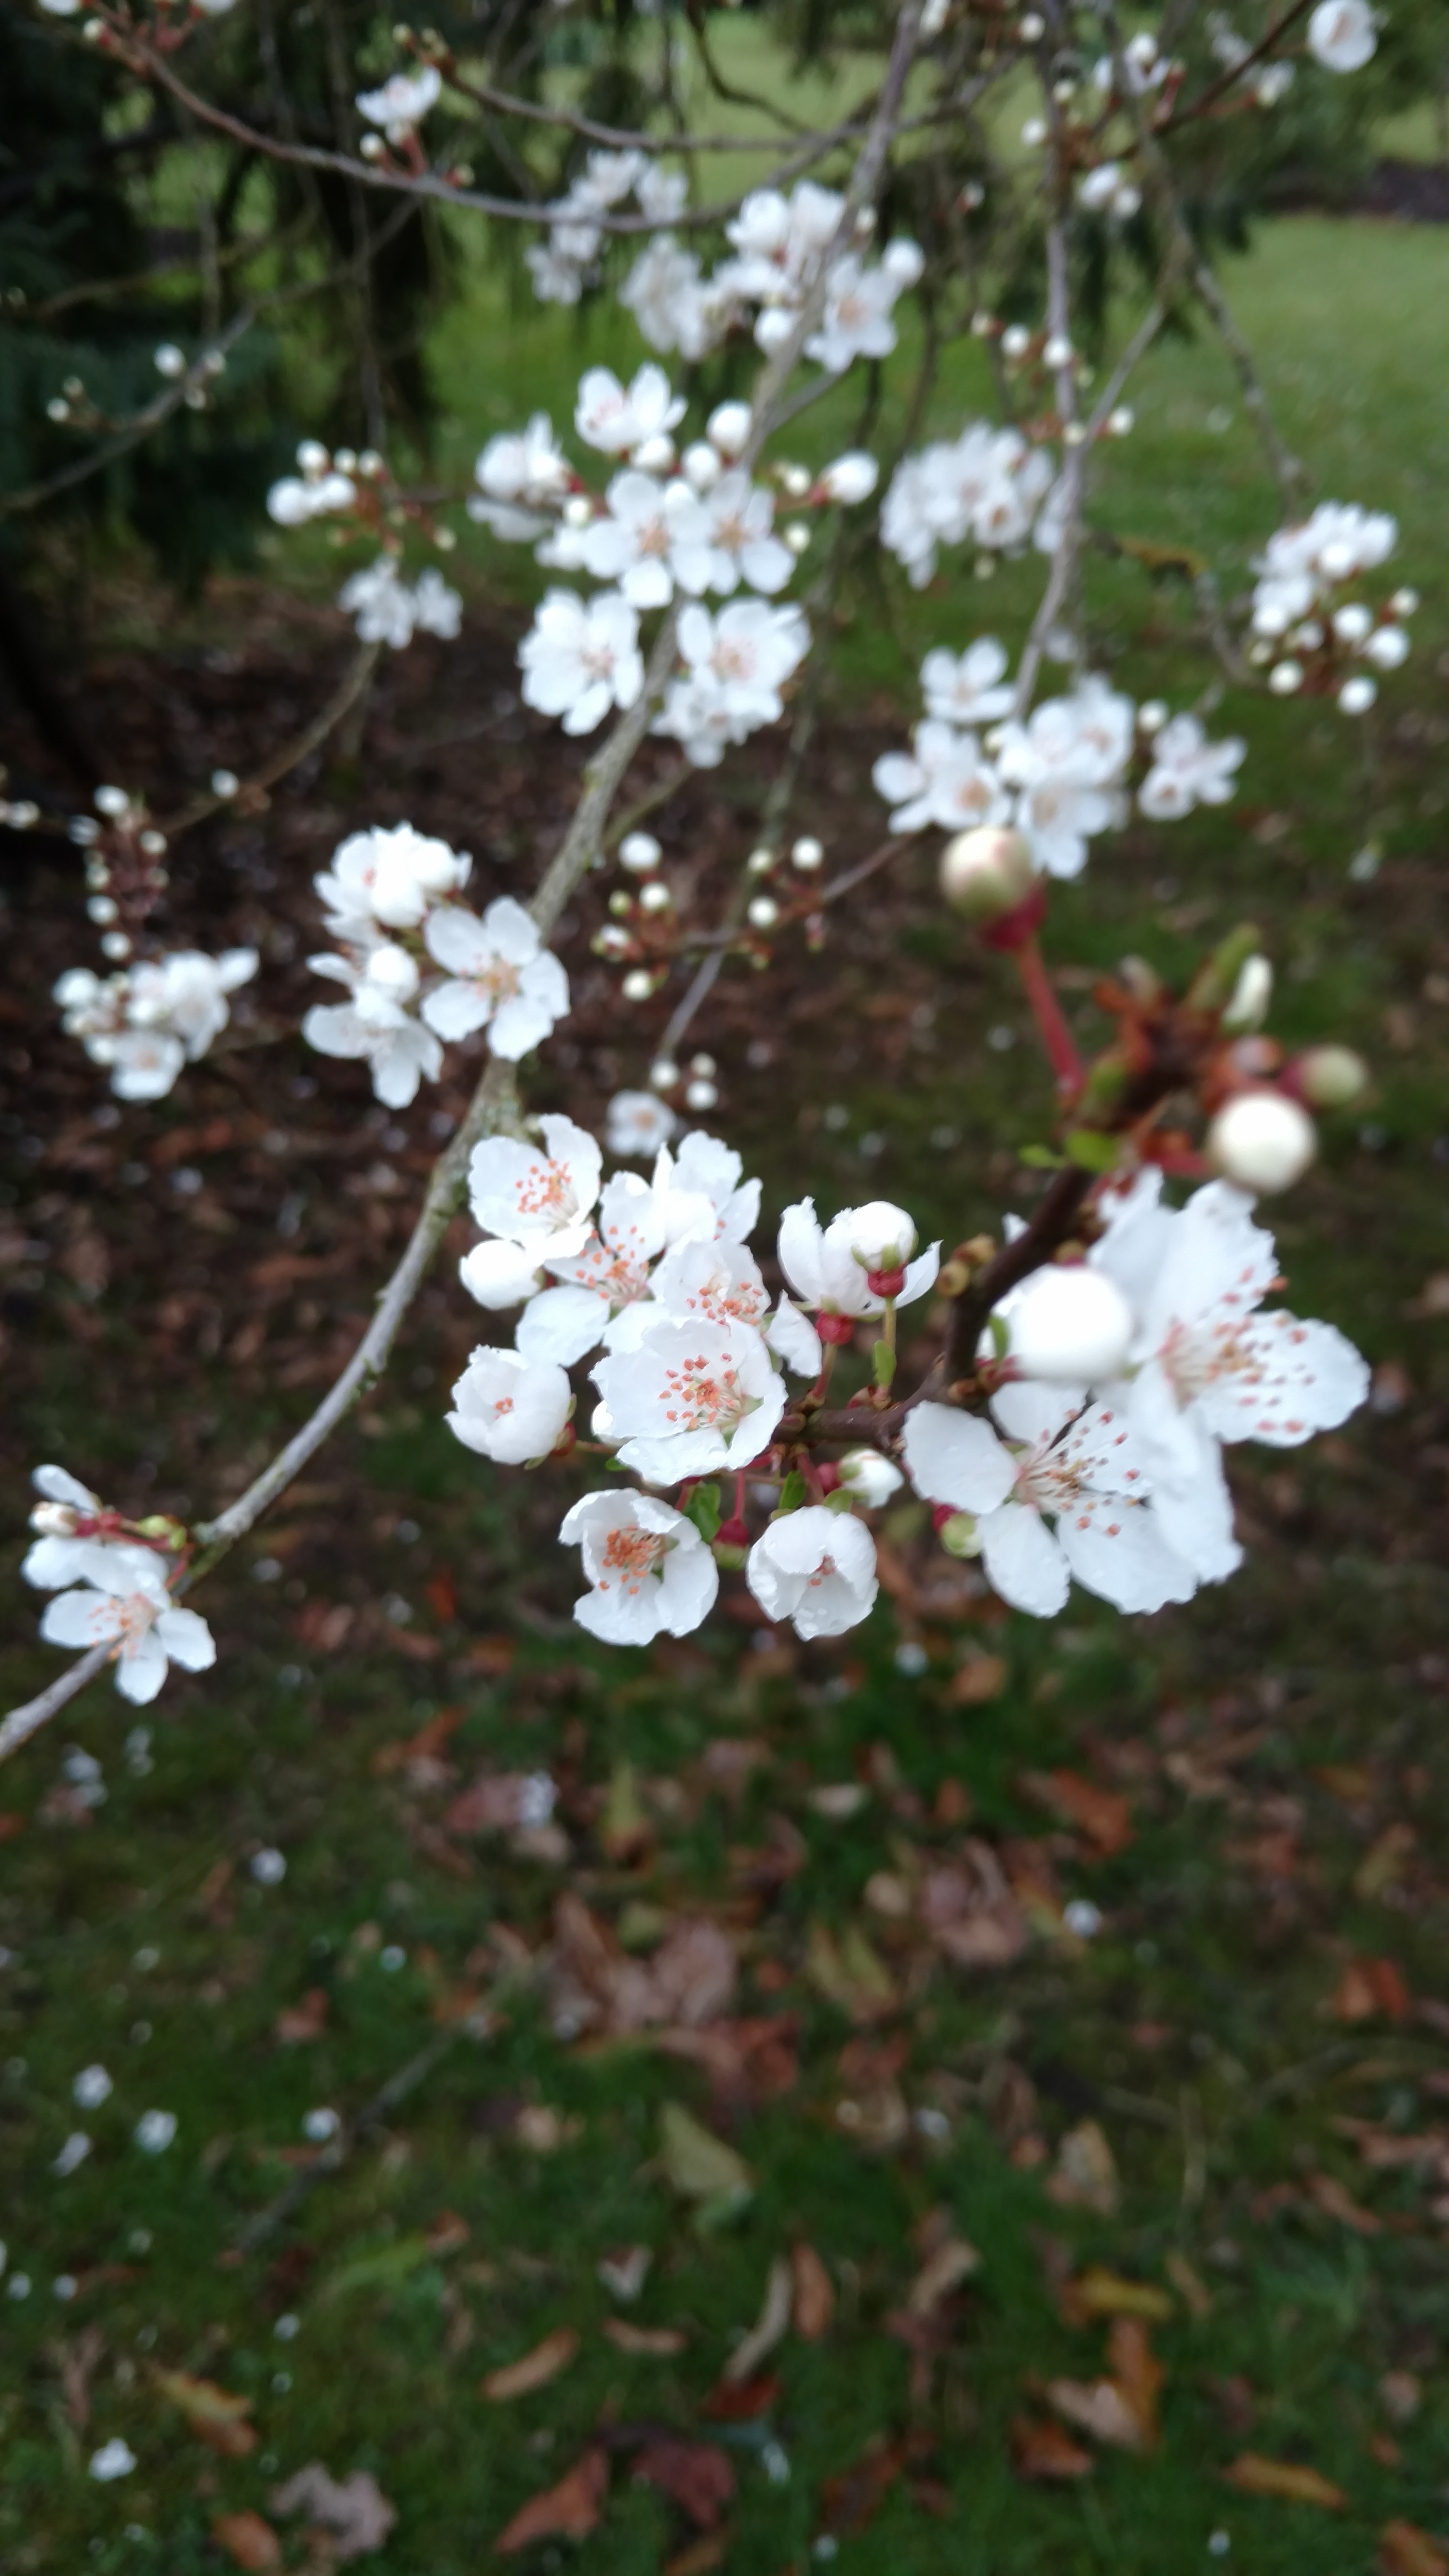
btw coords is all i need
(388, 876)
(638, 1122)
(388, 611)
(618, 418)
(544, 1201)
(634, 543)
(1302, 564)
(605, 1282)
(966, 688)
(647, 1567)
(987, 485)
(1188, 770)
(501, 978)
(144, 1024)
(581, 658)
(1342, 35)
(374, 1026)
(125, 1605)
(690, 1398)
(402, 102)
(500, 1274)
(155, 2131)
(1069, 1325)
(114, 2459)
(91, 2088)
(823, 1269)
(816, 1568)
(509, 1408)
(945, 779)
(869, 1478)
(739, 660)
(851, 479)
(724, 537)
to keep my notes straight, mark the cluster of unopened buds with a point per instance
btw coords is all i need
(1307, 635)
(646, 931)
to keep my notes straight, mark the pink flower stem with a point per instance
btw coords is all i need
(1046, 1010)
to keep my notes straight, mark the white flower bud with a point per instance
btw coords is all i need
(851, 478)
(116, 945)
(1387, 648)
(1070, 1325)
(663, 1075)
(1285, 679)
(882, 1236)
(807, 854)
(1034, 133)
(54, 1520)
(987, 872)
(578, 510)
(639, 852)
(797, 537)
(638, 985)
(1358, 694)
(1122, 421)
(701, 466)
(1015, 340)
(1058, 351)
(656, 896)
(112, 801)
(345, 460)
(654, 455)
(1352, 622)
(1033, 28)
(1152, 715)
(760, 863)
(1252, 994)
(1074, 435)
(869, 1477)
(169, 360)
(1331, 1077)
(1307, 637)
(1404, 602)
(1263, 1141)
(701, 1095)
(103, 908)
(703, 1064)
(728, 427)
(794, 481)
(903, 260)
(764, 912)
(312, 457)
(153, 843)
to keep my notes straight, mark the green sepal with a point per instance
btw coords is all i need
(703, 1509)
(1091, 1151)
(1040, 1158)
(792, 1494)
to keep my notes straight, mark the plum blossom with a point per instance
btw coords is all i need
(501, 977)
(509, 1408)
(618, 418)
(607, 1281)
(124, 1604)
(673, 304)
(647, 1567)
(723, 537)
(1206, 1365)
(1342, 35)
(388, 611)
(1188, 770)
(816, 1568)
(402, 102)
(1302, 564)
(635, 543)
(826, 1272)
(739, 660)
(1080, 1469)
(1066, 762)
(374, 1026)
(542, 1202)
(1107, 191)
(702, 1193)
(523, 476)
(390, 876)
(868, 1478)
(638, 1122)
(62, 1550)
(319, 489)
(987, 485)
(966, 688)
(500, 1274)
(144, 1024)
(1067, 1324)
(580, 658)
(691, 1397)
(945, 779)
(857, 322)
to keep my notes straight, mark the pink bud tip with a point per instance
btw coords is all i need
(732, 1533)
(828, 1478)
(941, 1513)
(836, 1328)
(885, 1283)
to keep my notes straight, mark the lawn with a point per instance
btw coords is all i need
(1199, 2126)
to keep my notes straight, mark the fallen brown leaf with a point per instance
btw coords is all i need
(1369, 1987)
(851, 2499)
(945, 2268)
(569, 2511)
(980, 1678)
(770, 2328)
(1100, 2293)
(1097, 2407)
(307, 2020)
(701, 2555)
(1137, 2372)
(1404, 2550)
(728, 2404)
(353, 2510)
(658, 2341)
(1041, 2449)
(1251, 2474)
(697, 2476)
(1337, 2202)
(1085, 2174)
(212, 2414)
(248, 2541)
(814, 2294)
(534, 2369)
(1103, 1815)
(425, 1746)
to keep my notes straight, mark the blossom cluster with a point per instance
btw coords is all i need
(391, 611)
(988, 485)
(1303, 625)
(667, 526)
(389, 907)
(110, 1589)
(149, 1019)
(1058, 777)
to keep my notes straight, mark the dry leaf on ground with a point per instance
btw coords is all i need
(771, 2326)
(1100, 2293)
(945, 2268)
(656, 2341)
(848, 1972)
(968, 1908)
(625, 2271)
(305, 2020)
(1103, 1815)
(569, 2511)
(353, 2509)
(1097, 2407)
(814, 2294)
(1404, 2550)
(854, 2496)
(697, 2476)
(699, 2165)
(248, 2541)
(1251, 2474)
(701, 2555)
(212, 2414)
(534, 2369)
(1085, 2174)
(1042, 2450)
(596, 1986)
(1369, 1987)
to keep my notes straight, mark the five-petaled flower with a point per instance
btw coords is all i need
(647, 1567)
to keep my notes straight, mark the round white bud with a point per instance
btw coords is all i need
(794, 481)
(1070, 1325)
(1352, 622)
(760, 863)
(764, 912)
(153, 843)
(312, 457)
(1033, 28)
(1387, 648)
(982, 325)
(1015, 340)
(1285, 679)
(1404, 602)
(103, 908)
(987, 872)
(797, 537)
(701, 1095)
(663, 1075)
(1034, 133)
(116, 945)
(1058, 351)
(112, 801)
(638, 984)
(1122, 421)
(345, 460)
(728, 427)
(1338, 560)
(869, 1477)
(808, 853)
(1074, 435)
(851, 478)
(1263, 1141)
(578, 510)
(224, 782)
(639, 852)
(1152, 715)
(1358, 694)
(169, 360)
(654, 455)
(882, 1236)
(701, 466)
(1331, 1077)
(656, 896)
(703, 1064)
(1307, 637)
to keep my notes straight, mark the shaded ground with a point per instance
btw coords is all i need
(815, 1899)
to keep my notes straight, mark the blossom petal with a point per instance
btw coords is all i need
(956, 1458)
(1023, 1561)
